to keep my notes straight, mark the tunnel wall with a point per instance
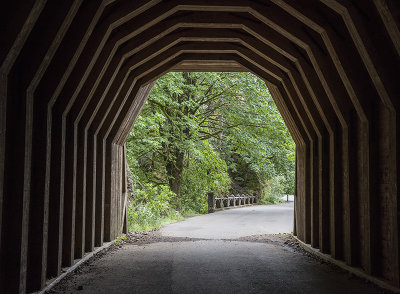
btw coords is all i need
(75, 74)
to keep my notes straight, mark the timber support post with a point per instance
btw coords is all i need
(74, 76)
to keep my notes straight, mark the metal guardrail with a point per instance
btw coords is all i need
(217, 203)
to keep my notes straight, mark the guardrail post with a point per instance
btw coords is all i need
(216, 202)
(211, 202)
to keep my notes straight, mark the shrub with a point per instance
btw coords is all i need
(152, 208)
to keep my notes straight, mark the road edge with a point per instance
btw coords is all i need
(356, 271)
(53, 282)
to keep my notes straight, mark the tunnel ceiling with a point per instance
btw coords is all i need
(75, 74)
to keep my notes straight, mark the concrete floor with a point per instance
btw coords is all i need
(208, 265)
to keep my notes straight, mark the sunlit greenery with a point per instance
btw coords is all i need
(152, 208)
(202, 132)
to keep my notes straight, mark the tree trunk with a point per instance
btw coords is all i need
(130, 186)
(174, 172)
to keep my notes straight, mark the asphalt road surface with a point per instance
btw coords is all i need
(236, 223)
(226, 252)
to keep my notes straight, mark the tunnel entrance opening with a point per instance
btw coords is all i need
(202, 133)
(73, 74)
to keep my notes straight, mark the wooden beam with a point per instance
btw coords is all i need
(16, 129)
(200, 66)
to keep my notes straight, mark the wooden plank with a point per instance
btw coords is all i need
(381, 61)
(124, 189)
(13, 40)
(39, 208)
(389, 20)
(82, 100)
(296, 182)
(80, 210)
(15, 180)
(200, 66)
(316, 51)
(103, 221)
(88, 60)
(306, 199)
(99, 164)
(285, 113)
(332, 153)
(314, 194)
(397, 201)
(124, 192)
(56, 208)
(154, 62)
(134, 112)
(117, 191)
(324, 210)
(351, 63)
(90, 194)
(68, 249)
(346, 201)
(60, 100)
(352, 217)
(109, 176)
(300, 197)
(15, 216)
(345, 189)
(387, 14)
(300, 189)
(39, 205)
(59, 70)
(336, 220)
(307, 192)
(314, 176)
(337, 197)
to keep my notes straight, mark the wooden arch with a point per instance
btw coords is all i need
(75, 74)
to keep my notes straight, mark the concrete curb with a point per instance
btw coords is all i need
(356, 271)
(51, 283)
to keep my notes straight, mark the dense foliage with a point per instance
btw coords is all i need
(201, 132)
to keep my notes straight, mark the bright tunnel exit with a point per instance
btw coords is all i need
(207, 132)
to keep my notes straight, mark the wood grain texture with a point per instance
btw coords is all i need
(71, 91)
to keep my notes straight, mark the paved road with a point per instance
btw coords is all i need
(210, 263)
(236, 223)
(289, 198)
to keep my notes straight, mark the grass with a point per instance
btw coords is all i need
(120, 239)
(156, 224)
(271, 199)
(142, 218)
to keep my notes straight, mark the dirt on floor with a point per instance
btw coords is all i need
(70, 283)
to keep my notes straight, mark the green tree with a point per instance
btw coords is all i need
(198, 127)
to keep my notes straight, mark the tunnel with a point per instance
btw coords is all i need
(75, 74)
